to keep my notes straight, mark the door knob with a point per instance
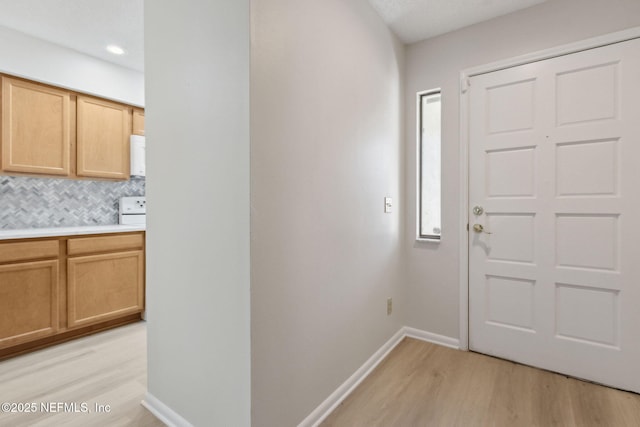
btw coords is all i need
(478, 228)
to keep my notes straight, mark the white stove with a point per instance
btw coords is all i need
(133, 210)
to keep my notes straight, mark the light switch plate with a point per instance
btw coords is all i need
(388, 203)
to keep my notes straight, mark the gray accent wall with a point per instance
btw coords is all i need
(326, 149)
(51, 202)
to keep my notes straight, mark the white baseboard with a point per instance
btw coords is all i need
(340, 394)
(163, 412)
(173, 419)
(431, 337)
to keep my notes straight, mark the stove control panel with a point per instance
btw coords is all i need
(133, 210)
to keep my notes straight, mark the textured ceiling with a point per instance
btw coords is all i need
(414, 20)
(87, 26)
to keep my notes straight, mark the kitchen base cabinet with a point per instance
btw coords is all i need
(28, 301)
(55, 289)
(102, 287)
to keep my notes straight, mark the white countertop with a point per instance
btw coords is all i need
(28, 233)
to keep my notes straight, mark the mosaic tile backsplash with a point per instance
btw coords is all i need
(49, 202)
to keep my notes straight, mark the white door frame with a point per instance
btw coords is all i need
(465, 75)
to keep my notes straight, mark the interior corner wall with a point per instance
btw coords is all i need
(433, 268)
(197, 124)
(32, 58)
(326, 148)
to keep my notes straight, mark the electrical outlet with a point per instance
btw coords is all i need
(389, 306)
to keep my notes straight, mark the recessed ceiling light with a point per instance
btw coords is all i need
(116, 50)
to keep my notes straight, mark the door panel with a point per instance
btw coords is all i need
(104, 287)
(28, 301)
(35, 128)
(138, 122)
(103, 138)
(554, 277)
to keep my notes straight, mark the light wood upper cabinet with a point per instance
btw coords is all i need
(56, 132)
(103, 130)
(138, 121)
(36, 128)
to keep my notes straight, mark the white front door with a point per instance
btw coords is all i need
(555, 169)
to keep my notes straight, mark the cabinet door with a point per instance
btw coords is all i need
(35, 128)
(28, 301)
(104, 287)
(103, 138)
(138, 122)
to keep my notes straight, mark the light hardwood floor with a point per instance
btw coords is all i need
(421, 384)
(108, 368)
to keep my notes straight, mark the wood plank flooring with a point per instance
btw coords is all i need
(108, 368)
(422, 384)
(419, 384)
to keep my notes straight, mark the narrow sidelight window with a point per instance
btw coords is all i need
(429, 167)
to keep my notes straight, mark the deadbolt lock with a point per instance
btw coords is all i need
(478, 210)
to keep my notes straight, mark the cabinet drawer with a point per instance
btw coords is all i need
(87, 245)
(23, 251)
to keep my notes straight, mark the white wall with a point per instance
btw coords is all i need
(433, 269)
(197, 122)
(326, 149)
(25, 56)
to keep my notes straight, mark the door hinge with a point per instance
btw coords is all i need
(467, 226)
(464, 84)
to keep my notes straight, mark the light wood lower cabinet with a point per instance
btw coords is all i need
(105, 278)
(28, 301)
(102, 287)
(56, 288)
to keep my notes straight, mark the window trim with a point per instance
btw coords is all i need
(419, 96)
